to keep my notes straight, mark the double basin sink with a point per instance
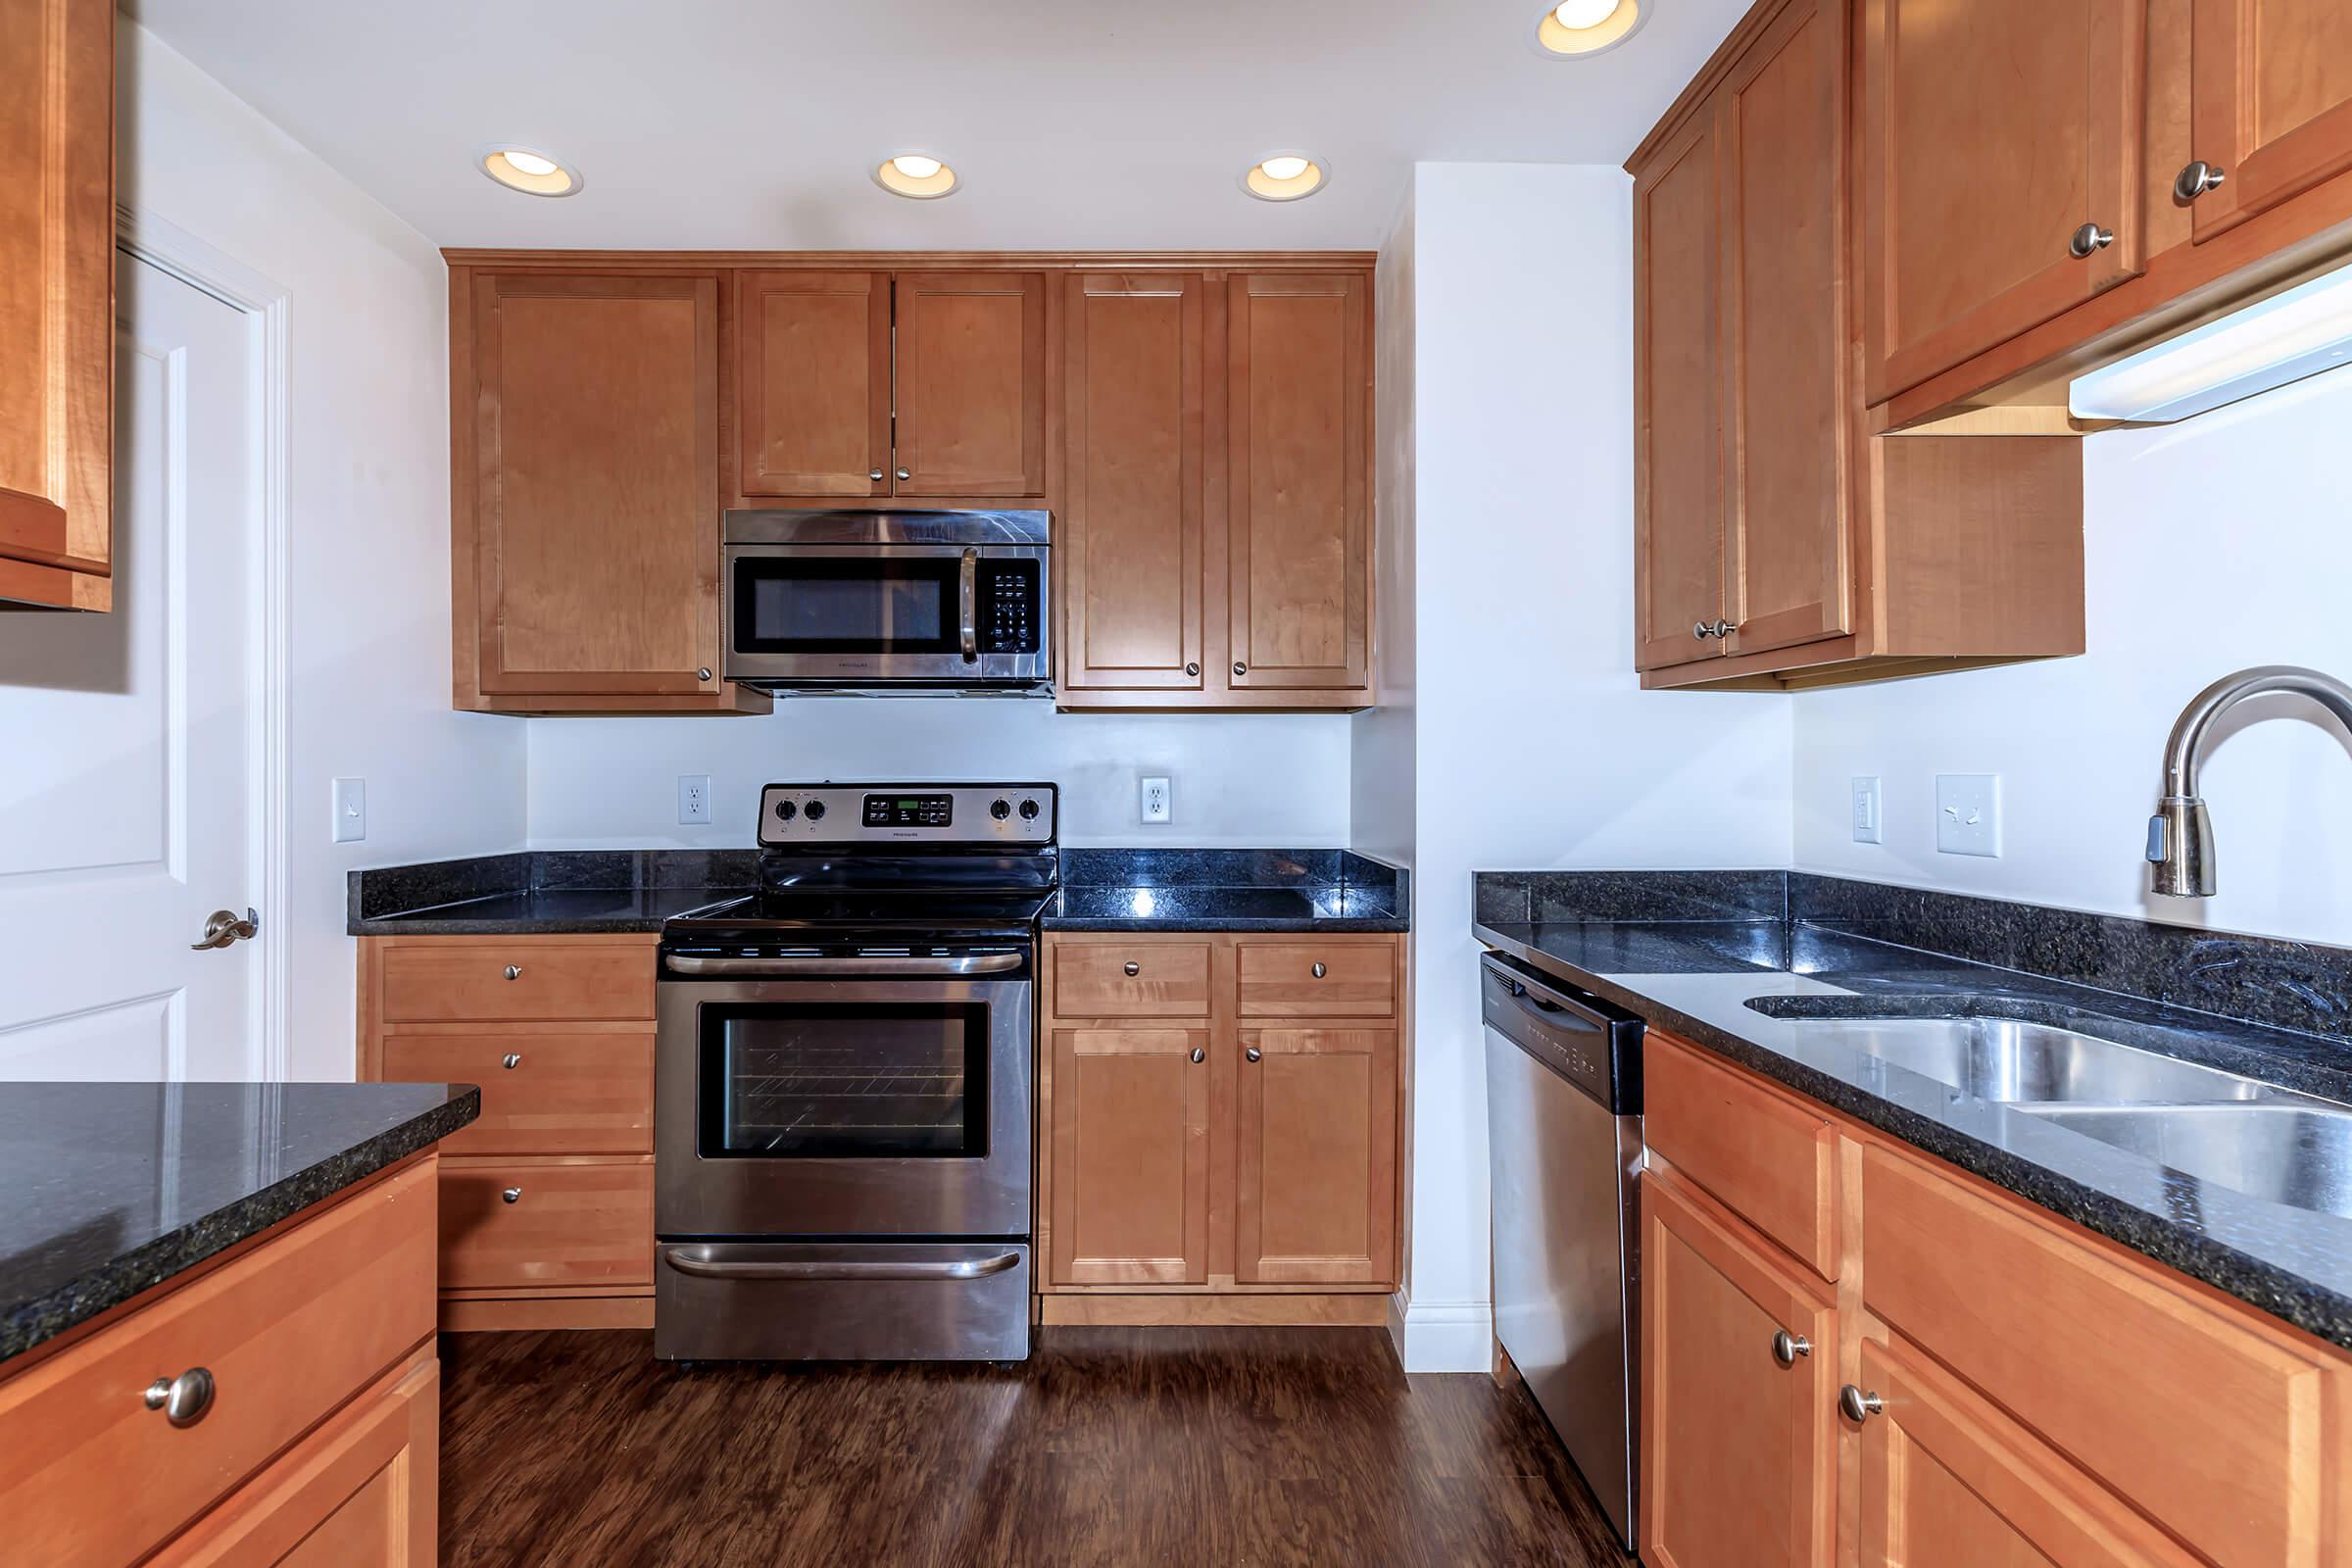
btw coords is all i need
(2236, 1132)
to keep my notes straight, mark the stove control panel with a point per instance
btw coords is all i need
(972, 814)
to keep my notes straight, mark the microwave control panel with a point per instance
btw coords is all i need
(1008, 611)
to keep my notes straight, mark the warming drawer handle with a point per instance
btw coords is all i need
(968, 963)
(969, 1268)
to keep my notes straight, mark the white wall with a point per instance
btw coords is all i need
(1533, 743)
(368, 689)
(1272, 780)
(2215, 544)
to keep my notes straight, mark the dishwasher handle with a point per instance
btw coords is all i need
(1593, 1045)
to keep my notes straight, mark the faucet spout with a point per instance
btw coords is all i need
(2181, 833)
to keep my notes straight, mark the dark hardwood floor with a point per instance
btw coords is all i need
(1193, 1446)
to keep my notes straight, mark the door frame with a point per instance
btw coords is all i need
(264, 302)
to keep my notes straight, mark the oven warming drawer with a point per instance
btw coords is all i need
(842, 1302)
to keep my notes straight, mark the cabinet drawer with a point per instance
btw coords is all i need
(574, 1222)
(500, 978)
(1318, 979)
(89, 1474)
(2109, 1360)
(1765, 1157)
(545, 1091)
(1131, 980)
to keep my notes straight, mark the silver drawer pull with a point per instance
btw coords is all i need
(968, 963)
(183, 1400)
(512, 1195)
(1134, 970)
(1787, 1346)
(510, 1060)
(843, 1269)
(1253, 1054)
(513, 971)
(1319, 971)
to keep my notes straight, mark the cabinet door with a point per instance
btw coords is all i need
(812, 382)
(1299, 562)
(1129, 1120)
(1738, 1466)
(971, 383)
(57, 301)
(2270, 102)
(1948, 1481)
(1315, 1202)
(1130, 550)
(363, 1492)
(596, 482)
(1992, 131)
(1785, 568)
(1678, 403)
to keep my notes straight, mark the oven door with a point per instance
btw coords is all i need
(852, 1106)
(940, 615)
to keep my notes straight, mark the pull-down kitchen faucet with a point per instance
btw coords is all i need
(2179, 834)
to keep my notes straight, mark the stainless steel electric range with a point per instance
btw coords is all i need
(843, 1082)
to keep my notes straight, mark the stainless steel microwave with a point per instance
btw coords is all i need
(891, 603)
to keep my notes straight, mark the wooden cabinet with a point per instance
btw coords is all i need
(2269, 102)
(2021, 1385)
(546, 1201)
(1776, 544)
(971, 383)
(813, 384)
(585, 520)
(57, 310)
(1198, 1167)
(318, 1339)
(2000, 140)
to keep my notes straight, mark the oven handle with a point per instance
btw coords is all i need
(967, 601)
(966, 1268)
(968, 963)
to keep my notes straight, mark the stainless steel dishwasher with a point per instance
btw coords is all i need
(1564, 1141)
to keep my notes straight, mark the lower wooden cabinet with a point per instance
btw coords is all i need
(1739, 1464)
(1210, 1156)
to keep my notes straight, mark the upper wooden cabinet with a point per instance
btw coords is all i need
(57, 303)
(2001, 145)
(871, 385)
(2270, 103)
(1776, 543)
(585, 525)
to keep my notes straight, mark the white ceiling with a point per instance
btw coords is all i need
(742, 124)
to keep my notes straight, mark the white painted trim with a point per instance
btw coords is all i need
(174, 250)
(1441, 1335)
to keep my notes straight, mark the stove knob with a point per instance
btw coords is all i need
(1028, 810)
(1001, 809)
(814, 810)
(785, 811)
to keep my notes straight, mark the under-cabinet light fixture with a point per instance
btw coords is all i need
(2285, 338)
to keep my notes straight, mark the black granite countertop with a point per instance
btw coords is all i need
(547, 911)
(1229, 889)
(114, 1189)
(1701, 977)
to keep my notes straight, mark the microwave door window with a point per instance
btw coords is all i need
(847, 606)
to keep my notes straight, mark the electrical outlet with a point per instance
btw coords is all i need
(350, 808)
(1155, 800)
(1867, 826)
(694, 797)
(1968, 814)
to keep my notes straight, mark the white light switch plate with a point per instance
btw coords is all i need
(350, 807)
(1968, 814)
(1155, 801)
(1869, 826)
(694, 797)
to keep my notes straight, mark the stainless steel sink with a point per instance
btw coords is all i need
(2297, 1154)
(2013, 1060)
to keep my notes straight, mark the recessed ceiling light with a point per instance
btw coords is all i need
(918, 176)
(1575, 28)
(1285, 177)
(530, 169)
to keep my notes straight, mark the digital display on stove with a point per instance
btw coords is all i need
(909, 811)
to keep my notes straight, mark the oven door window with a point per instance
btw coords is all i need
(848, 605)
(872, 1080)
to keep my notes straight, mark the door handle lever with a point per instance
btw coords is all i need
(224, 929)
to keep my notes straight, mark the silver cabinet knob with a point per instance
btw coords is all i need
(904, 474)
(512, 1195)
(1857, 1406)
(702, 673)
(1787, 1346)
(513, 971)
(1239, 668)
(1723, 628)
(2196, 179)
(1701, 630)
(1253, 1054)
(2089, 239)
(510, 1060)
(1199, 1054)
(222, 929)
(183, 1400)
(877, 476)
(1192, 669)
(1134, 970)
(1318, 971)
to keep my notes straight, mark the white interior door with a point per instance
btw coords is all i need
(128, 805)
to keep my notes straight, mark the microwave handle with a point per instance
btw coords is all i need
(967, 601)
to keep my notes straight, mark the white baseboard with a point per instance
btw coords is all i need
(1441, 1335)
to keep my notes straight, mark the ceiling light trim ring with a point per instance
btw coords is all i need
(886, 173)
(563, 179)
(1552, 41)
(1311, 180)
